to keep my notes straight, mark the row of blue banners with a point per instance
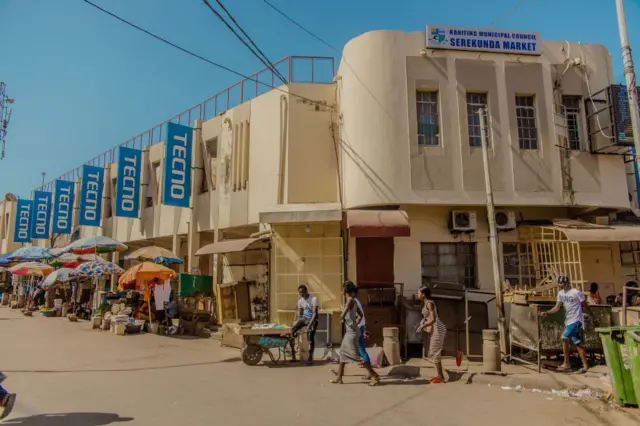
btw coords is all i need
(48, 212)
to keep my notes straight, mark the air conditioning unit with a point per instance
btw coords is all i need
(463, 221)
(505, 220)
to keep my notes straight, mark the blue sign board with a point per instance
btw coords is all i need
(177, 166)
(91, 196)
(63, 207)
(128, 183)
(22, 230)
(41, 215)
(483, 39)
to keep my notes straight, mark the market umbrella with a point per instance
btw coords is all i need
(145, 271)
(163, 255)
(31, 269)
(97, 268)
(4, 259)
(30, 253)
(60, 275)
(95, 244)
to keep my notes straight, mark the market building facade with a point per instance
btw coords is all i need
(375, 174)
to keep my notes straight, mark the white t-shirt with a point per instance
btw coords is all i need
(308, 306)
(361, 324)
(572, 303)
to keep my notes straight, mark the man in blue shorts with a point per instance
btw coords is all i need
(573, 302)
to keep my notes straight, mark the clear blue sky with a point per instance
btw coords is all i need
(84, 82)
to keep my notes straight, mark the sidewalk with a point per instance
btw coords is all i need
(511, 376)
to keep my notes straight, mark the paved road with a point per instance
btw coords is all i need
(68, 375)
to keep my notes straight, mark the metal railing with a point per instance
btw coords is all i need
(295, 69)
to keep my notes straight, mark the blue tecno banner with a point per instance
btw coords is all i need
(22, 231)
(128, 184)
(63, 207)
(91, 196)
(177, 166)
(41, 215)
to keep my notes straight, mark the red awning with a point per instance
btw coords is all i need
(378, 223)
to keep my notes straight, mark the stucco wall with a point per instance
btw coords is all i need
(383, 164)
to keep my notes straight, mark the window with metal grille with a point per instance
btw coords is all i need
(475, 102)
(517, 261)
(572, 115)
(449, 263)
(428, 119)
(526, 119)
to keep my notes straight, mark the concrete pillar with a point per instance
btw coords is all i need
(145, 166)
(197, 174)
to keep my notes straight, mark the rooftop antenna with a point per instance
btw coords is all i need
(5, 116)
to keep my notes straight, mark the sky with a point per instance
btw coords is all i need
(84, 82)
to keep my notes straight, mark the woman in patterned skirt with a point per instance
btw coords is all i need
(432, 325)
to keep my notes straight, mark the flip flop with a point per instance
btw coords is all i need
(8, 406)
(563, 368)
(375, 381)
(582, 371)
(435, 380)
(336, 382)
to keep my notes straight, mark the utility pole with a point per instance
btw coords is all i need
(43, 175)
(630, 76)
(5, 116)
(493, 234)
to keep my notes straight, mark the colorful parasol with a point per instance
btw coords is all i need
(4, 259)
(95, 244)
(30, 253)
(96, 268)
(60, 275)
(31, 269)
(145, 271)
(152, 253)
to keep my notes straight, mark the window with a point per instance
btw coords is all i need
(449, 263)
(527, 127)
(428, 120)
(475, 102)
(572, 115)
(517, 262)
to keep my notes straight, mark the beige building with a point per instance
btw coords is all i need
(377, 176)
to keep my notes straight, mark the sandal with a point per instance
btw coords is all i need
(375, 381)
(582, 371)
(563, 368)
(436, 380)
(336, 382)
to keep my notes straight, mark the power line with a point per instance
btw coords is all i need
(248, 37)
(510, 12)
(344, 58)
(195, 55)
(262, 59)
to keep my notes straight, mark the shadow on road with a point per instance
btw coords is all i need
(69, 419)
(120, 370)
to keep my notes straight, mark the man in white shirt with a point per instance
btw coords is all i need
(306, 316)
(574, 303)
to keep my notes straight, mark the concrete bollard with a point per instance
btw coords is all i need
(391, 344)
(491, 350)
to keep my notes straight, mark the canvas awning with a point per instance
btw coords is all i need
(378, 223)
(583, 232)
(230, 246)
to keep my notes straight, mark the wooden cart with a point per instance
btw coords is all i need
(258, 341)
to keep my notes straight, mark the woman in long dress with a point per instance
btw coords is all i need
(432, 325)
(349, 349)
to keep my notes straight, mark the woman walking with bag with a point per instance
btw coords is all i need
(432, 325)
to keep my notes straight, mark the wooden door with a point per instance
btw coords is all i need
(374, 262)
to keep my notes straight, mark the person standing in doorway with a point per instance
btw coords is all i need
(349, 349)
(594, 295)
(306, 316)
(574, 303)
(432, 325)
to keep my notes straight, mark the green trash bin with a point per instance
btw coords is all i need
(617, 356)
(632, 340)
